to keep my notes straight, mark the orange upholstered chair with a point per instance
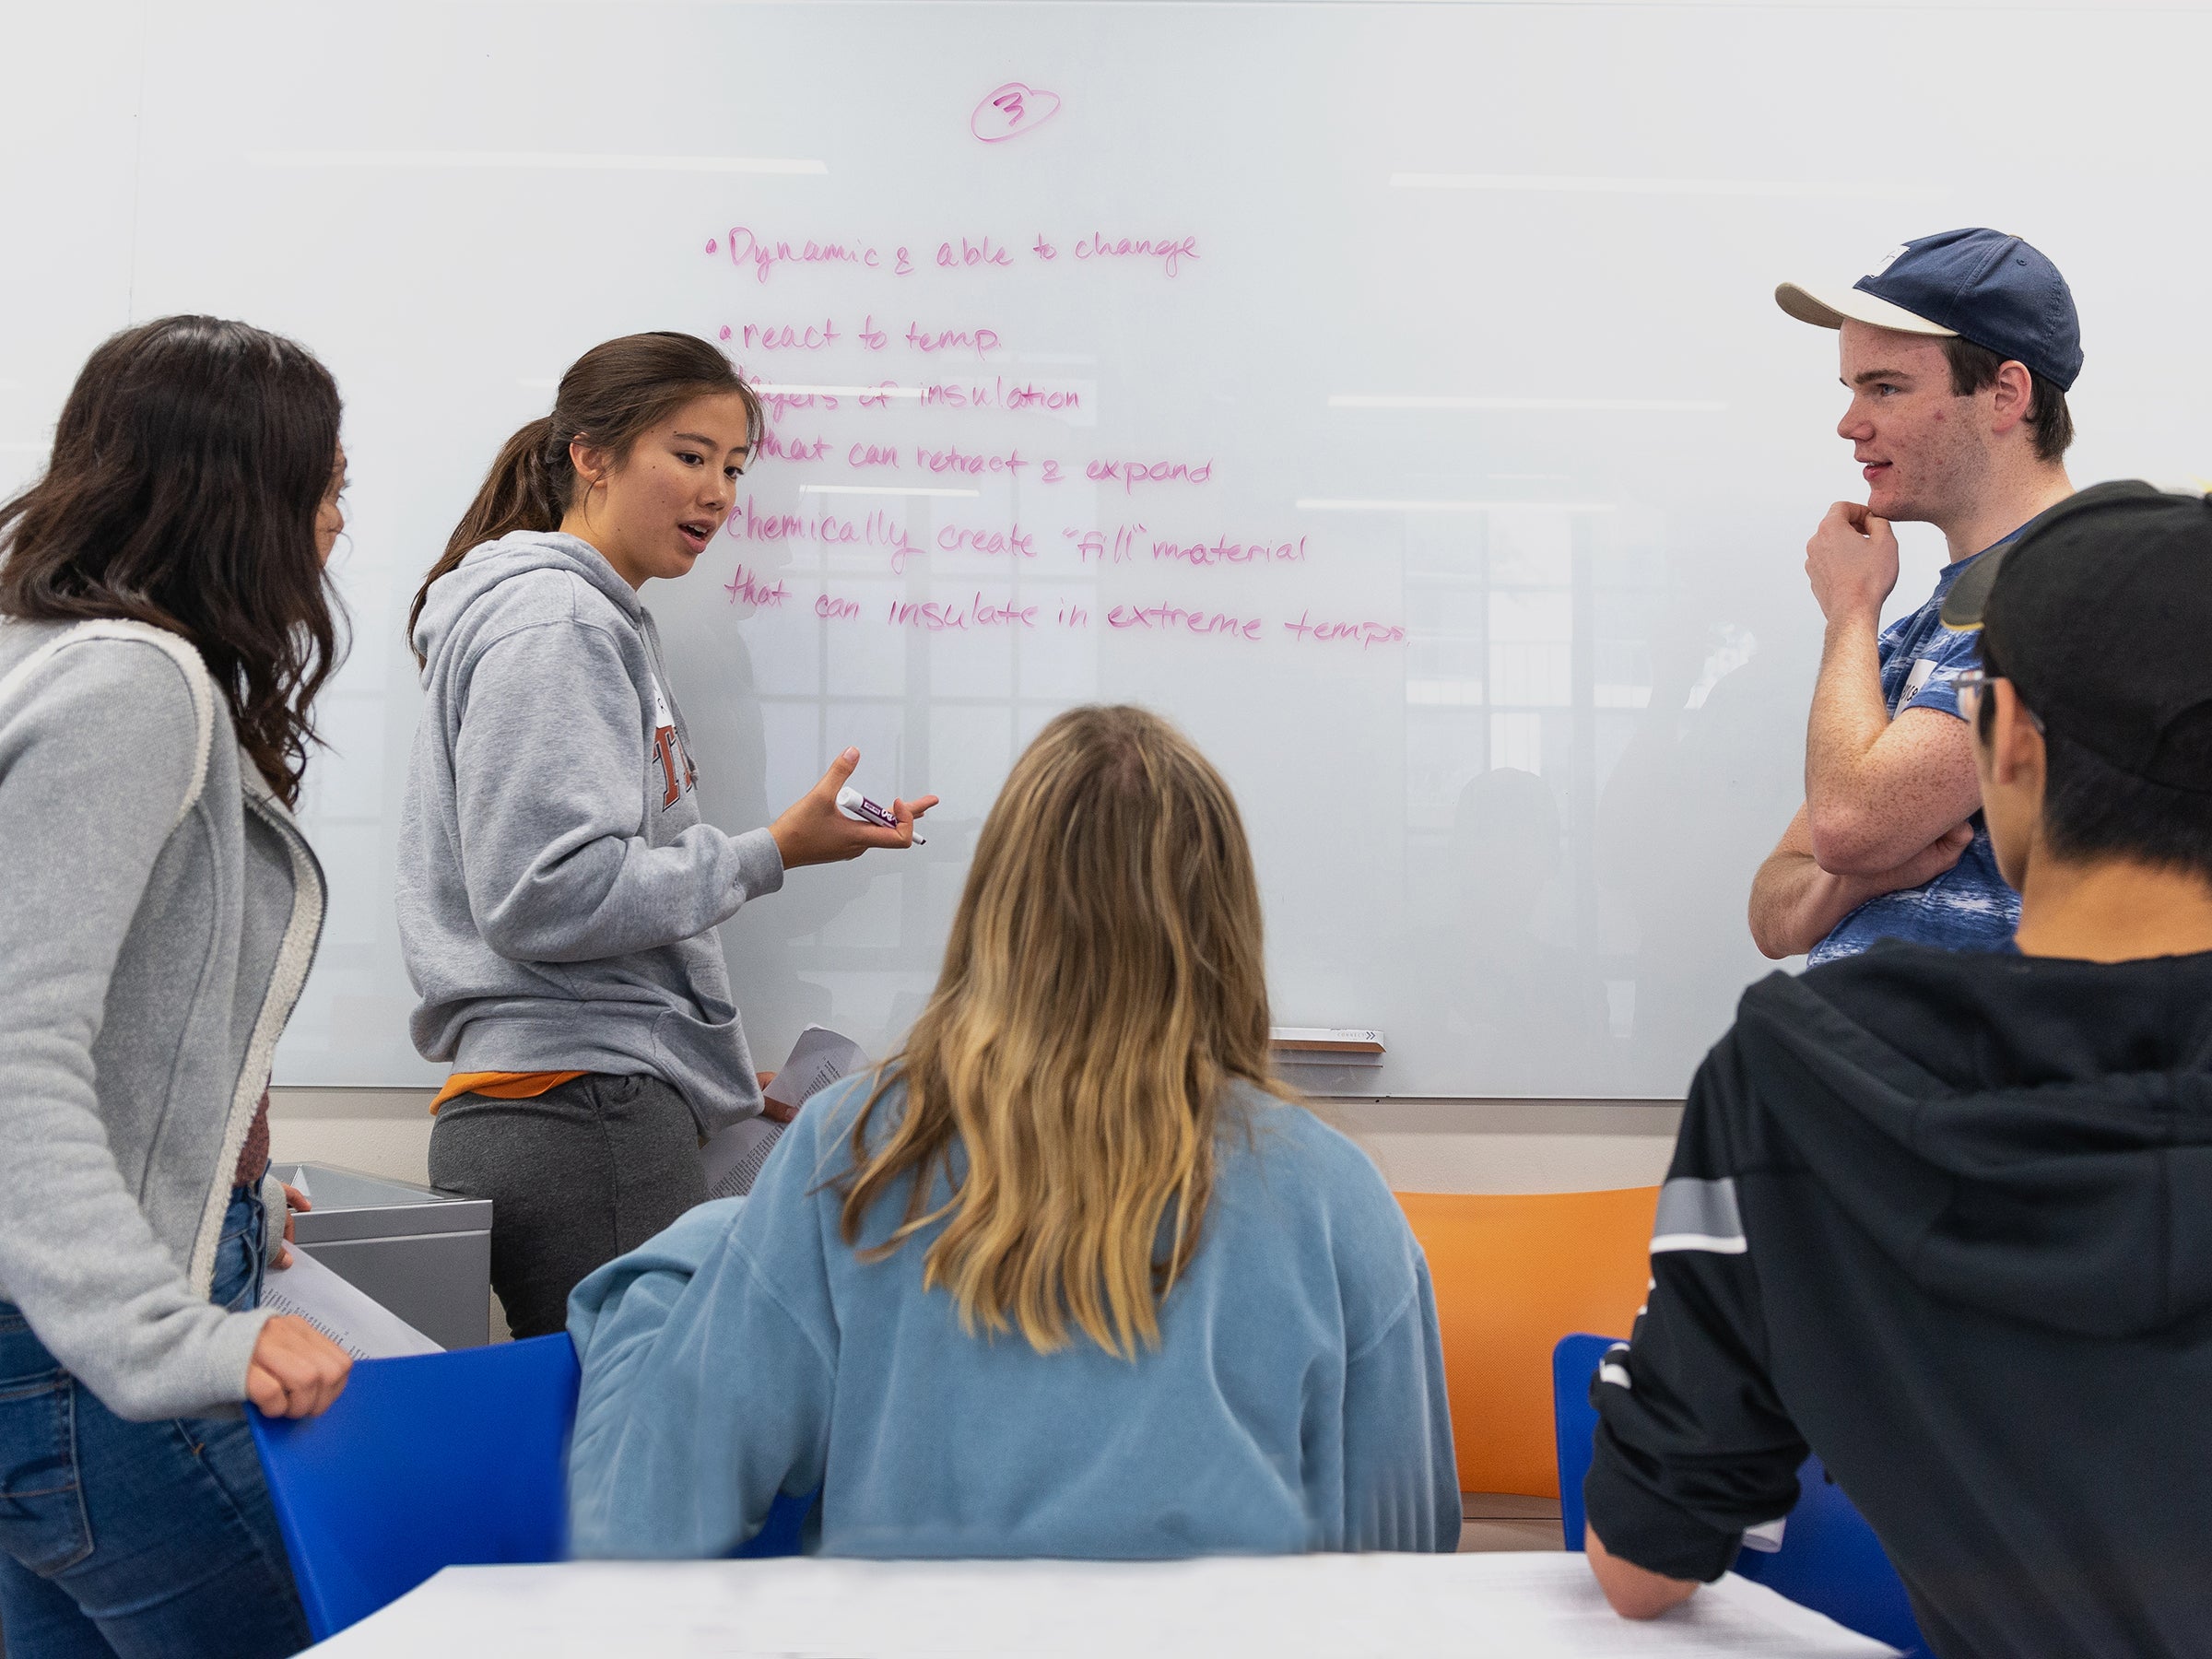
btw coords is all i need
(1514, 1274)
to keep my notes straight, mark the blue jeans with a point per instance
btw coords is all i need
(152, 1539)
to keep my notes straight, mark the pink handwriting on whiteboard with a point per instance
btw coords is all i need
(961, 538)
(1091, 544)
(748, 522)
(1170, 250)
(934, 617)
(747, 248)
(1223, 551)
(1172, 617)
(787, 449)
(1130, 474)
(747, 586)
(982, 341)
(1363, 633)
(1010, 109)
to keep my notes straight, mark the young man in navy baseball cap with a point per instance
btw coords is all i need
(1957, 351)
(1944, 1217)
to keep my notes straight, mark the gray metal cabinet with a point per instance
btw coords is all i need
(423, 1253)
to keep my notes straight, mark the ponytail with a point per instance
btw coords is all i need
(519, 494)
(610, 396)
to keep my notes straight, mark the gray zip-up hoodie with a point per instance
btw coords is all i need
(557, 891)
(158, 913)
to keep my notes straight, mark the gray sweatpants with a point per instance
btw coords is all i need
(576, 1177)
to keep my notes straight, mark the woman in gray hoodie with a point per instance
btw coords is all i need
(558, 890)
(164, 626)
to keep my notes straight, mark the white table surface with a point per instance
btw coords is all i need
(1470, 1606)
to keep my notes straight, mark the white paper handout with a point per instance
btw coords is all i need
(817, 1059)
(350, 1317)
(733, 1157)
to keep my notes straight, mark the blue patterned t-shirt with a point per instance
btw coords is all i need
(1968, 907)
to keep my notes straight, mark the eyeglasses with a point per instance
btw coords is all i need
(1968, 683)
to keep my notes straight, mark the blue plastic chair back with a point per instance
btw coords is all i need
(783, 1531)
(1829, 1560)
(442, 1460)
(1574, 1361)
(434, 1461)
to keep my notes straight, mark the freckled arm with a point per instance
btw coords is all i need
(1878, 790)
(1795, 904)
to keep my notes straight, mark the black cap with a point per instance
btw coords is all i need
(2101, 612)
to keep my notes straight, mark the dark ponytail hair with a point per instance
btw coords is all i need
(609, 398)
(188, 467)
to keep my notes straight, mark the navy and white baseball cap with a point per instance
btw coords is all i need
(1980, 285)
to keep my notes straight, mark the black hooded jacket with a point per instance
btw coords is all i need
(1947, 1219)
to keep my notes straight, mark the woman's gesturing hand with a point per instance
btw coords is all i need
(812, 830)
(296, 1370)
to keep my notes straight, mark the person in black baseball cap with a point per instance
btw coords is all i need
(1945, 1218)
(2093, 709)
(1957, 351)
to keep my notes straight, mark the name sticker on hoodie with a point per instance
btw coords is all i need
(668, 749)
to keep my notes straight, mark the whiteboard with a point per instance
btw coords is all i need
(1427, 442)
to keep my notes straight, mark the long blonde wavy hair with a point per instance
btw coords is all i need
(1103, 983)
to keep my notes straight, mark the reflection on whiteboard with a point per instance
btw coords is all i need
(1432, 452)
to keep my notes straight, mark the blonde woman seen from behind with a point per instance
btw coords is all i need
(1080, 1278)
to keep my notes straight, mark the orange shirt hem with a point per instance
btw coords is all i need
(503, 1086)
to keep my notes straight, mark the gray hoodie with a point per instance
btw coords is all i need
(158, 913)
(557, 891)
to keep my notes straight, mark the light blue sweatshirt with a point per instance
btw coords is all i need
(1296, 1400)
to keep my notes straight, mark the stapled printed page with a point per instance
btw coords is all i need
(348, 1316)
(733, 1157)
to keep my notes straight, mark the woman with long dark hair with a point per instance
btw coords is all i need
(558, 890)
(164, 627)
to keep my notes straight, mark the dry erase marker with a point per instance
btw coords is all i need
(851, 800)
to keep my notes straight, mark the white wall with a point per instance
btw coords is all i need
(377, 1131)
(1421, 1146)
(1511, 1146)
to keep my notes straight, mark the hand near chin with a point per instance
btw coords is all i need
(1851, 563)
